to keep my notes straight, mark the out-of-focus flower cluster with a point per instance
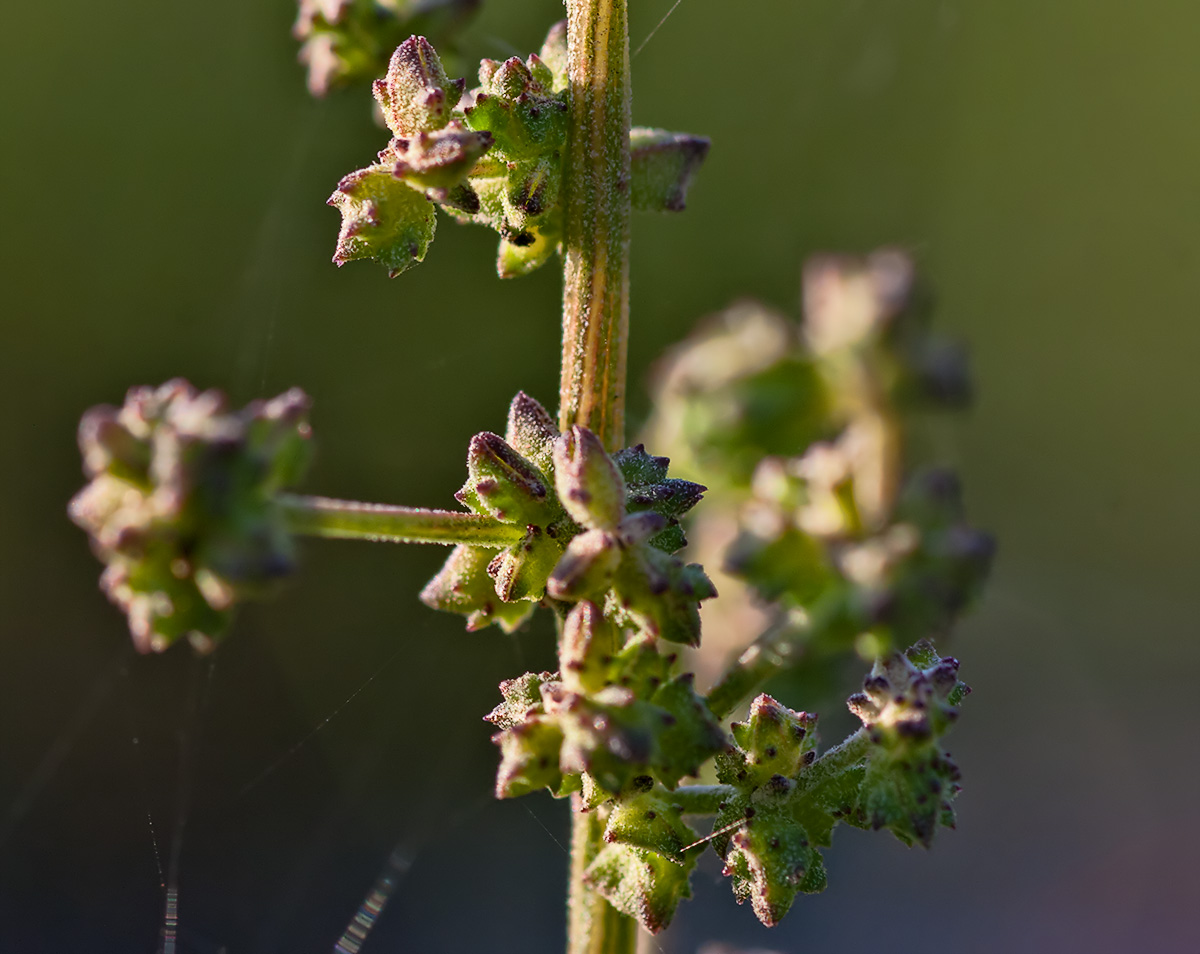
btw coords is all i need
(805, 435)
(180, 505)
(349, 41)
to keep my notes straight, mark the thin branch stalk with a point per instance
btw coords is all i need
(350, 520)
(779, 647)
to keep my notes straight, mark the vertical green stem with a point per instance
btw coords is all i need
(593, 925)
(596, 222)
(595, 334)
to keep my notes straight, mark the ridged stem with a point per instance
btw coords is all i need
(596, 222)
(350, 520)
(593, 925)
(595, 334)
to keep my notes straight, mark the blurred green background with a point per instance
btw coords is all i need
(166, 177)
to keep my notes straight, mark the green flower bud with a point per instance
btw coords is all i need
(587, 649)
(383, 219)
(509, 80)
(181, 505)
(416, 95)
(520, 571)
(529, 755)
(522, 699)
(502, 483)
(605, 734)
(554, 54)
(646, 819)
(587, 567)
(525, 251)
(464, 586)
(541, 74)
(660, 595)
(531, 431)
(661, 168)
(774, 740)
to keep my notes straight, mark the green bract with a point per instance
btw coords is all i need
(181, 505)
(493, 155)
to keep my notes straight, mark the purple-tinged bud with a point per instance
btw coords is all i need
(416, 95)
(589, 484)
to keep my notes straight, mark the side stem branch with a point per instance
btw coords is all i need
(350, 520)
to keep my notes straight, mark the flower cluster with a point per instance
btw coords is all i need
(784, 802)
(492, 155)
(596, 527)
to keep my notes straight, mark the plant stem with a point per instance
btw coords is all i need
(781, 645)
(596, 222)
(702, 799)
(593, 925)
(595, 334)
(350, 520)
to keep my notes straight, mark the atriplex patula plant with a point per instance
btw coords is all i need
(843, 543)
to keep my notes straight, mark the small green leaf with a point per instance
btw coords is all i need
(639, 883)
(661, 168)
(383, 219)
(687, 735)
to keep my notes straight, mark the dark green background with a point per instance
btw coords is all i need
(165, 175)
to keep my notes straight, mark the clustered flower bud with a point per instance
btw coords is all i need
(907, 704)
(492, 155)
(597, 528)
(181, 506)
(616, 713)
(615, 727)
